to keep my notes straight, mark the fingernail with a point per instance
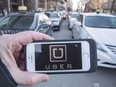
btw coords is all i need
(45, 78)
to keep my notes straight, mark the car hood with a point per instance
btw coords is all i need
(105, 36)
(54, 19)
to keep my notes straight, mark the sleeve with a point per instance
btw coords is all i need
(6, 80)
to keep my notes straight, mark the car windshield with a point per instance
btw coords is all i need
(74, 15)
(16, 22)
(54, 15)
(100, 21)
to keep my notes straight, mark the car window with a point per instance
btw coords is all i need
(17, 22)
(5, 21)
(46, 18)
(48, 14)
(80, 18)
(100, 21)
(54, 15)
(43, 19)
(24, 22)
(74, 15)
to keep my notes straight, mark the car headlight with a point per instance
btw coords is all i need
(101, 48)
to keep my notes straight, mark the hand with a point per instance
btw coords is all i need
(11, 54)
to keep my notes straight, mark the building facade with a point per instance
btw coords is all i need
(69, 5)
(105, 5)
(12, 5)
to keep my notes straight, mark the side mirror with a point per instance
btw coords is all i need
(79, 23)
(43, 27)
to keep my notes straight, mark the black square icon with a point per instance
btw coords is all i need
(58, 53)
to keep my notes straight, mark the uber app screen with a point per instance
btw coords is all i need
(58, 56)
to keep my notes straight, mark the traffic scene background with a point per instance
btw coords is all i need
(68, 20)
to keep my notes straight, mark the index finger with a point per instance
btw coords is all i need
(28, 36)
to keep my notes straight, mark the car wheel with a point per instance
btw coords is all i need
(52, 33)
(72, 35)
(68, 25)
(59, 27)
(70, 28)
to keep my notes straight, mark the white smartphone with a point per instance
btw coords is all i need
(59, 56)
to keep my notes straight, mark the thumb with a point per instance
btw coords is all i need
(29, 79)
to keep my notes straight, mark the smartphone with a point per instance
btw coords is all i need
(61, 56)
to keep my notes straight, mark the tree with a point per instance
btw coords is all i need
(113, 5)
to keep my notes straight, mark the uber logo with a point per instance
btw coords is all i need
(58, 53)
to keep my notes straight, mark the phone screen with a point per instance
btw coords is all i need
(59, 56)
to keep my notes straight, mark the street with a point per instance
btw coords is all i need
(103, 77)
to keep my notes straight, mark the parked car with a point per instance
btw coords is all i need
(72, 19)
(102, 28)
(22, 21)
(56, 20)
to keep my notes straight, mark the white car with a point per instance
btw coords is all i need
(72, 19)
(56, 20)
(102, 28)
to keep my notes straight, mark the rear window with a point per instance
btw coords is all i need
(54, 15)
(48, 14)
(17, 22)
(100, 21)
(74, 15)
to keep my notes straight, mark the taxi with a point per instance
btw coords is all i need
(23, 21)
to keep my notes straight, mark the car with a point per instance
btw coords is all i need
(56, 20)
(64, 16)
(22, 21)
(72, 19)
(101, 28)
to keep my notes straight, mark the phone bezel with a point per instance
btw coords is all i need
(86, 62)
